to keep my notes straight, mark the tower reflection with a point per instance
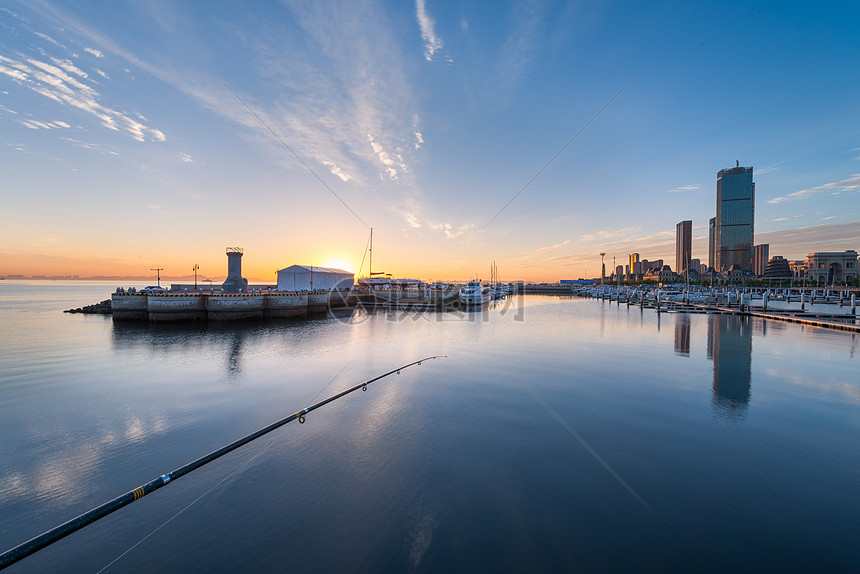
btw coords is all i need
(682, 334)
(730, 348)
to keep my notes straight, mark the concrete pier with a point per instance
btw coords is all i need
(284, 305)
(129, 307)
(189, 307)
(317, 302)
(238, 307)
(175, 309)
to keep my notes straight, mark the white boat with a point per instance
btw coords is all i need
(474, 293)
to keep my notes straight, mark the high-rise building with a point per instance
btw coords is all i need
(634, 258)
(683, 245)
(760, 259)
(712, 224)
(733, 228)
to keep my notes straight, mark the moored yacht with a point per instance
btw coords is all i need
(474, 293)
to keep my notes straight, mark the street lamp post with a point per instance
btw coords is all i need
(159, 270)
(195, 268)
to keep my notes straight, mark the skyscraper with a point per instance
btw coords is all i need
(733, 228)
(683, 245)
(712, 224)
(762, 256)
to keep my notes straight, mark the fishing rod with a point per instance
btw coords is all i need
(47, 538)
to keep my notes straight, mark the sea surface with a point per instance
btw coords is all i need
(558, 435)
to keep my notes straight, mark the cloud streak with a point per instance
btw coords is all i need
(797, 243)
(610, 233)
(849, 184)
(346, 104)
(432, 43)
(685, 188)
(59, 80)
(769, 169)
(450, 231)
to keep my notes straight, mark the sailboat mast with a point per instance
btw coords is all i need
(370, 274)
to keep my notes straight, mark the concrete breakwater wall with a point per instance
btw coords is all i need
(185, 307)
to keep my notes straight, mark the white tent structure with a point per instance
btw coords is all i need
(309, 278)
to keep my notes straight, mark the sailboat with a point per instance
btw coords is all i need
(497, 290)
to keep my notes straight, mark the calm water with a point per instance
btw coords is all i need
(558, 435)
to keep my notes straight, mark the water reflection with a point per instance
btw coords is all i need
(682, 335)
(730, 348)
(234, 363)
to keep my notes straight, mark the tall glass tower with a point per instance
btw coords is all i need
(733, 229)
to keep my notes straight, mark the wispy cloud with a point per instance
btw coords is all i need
(91, 146)
(411, 219)
(48, 39)
(94, 52)
(778, 219)
(519, 50)
(359, 119)
(61, 81)
(769, 169)
(336, 170)
(432, 42)
(392, 162)
(797, 242)
(37, 125)
(850, 184)
(552, 248)
(685, 188)
(450, 231)
(185, 157)
(610, 234)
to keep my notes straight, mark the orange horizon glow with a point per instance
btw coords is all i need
(425, 258)
(215, 268)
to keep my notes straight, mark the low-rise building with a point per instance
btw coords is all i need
(832, 267)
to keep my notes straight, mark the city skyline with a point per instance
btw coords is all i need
(136, 137)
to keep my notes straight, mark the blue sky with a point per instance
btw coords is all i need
(124, 147)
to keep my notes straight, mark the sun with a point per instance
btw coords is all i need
(336, 263)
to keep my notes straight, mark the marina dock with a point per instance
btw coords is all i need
(793, 306)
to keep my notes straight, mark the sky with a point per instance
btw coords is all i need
(142, 135)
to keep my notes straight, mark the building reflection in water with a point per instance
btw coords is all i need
(682, 334)
(730, 348)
